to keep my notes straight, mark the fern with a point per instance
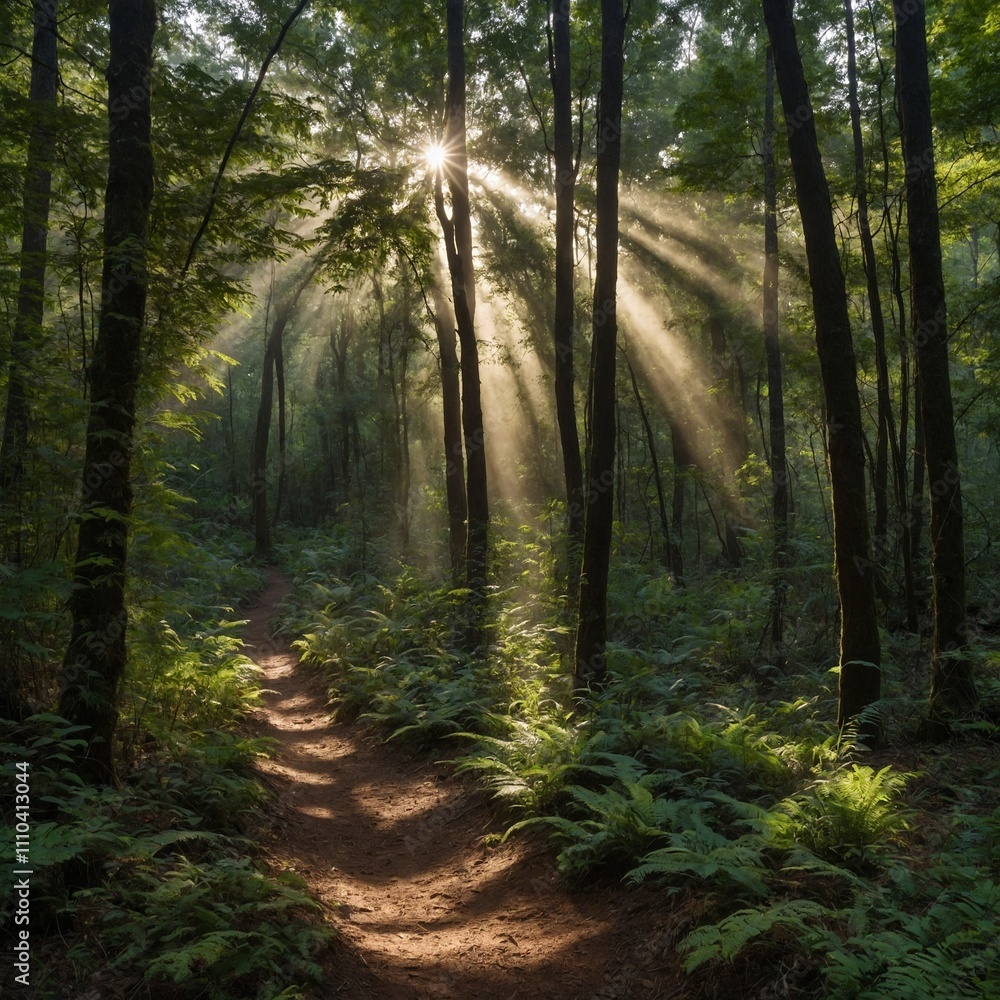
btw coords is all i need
(728, 938)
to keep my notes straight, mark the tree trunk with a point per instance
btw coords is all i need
(95, 658)
(592, 631)
(451, 402)
(458, 246)
(860, 652)
(404, 416)
(279, 379)
(886, 440)
(682, 466)
(565, 183)
(339, 343)
(262, 428)
(669, 542)
(31, 287)
(953, 689)
(910, 535)
(775, 388)
(28, 319)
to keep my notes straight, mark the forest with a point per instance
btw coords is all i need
(496, 499)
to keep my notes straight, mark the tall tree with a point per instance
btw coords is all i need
(860, 649)
(566, 167)
(886, 440)
(451, 405)
(592, 631)
(95, 659)
(34, 238)
(457, 231)
(273, 364)
(952, 686)
(775, 389)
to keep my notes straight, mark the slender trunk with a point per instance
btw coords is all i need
(339, 343)
(910, 534)
(458, 246)
(592, 632)
(775, 389)
(565, 183)
(669, 542)
(31, 286)
(95, 659)
(262, 429)
(231, 434)
(886, 440)
(682, 466)
(953, 689)
(404, 418)
(25, 336)
(454, 469)
(279, 379)
(860, 652)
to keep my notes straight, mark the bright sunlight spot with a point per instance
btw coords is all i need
(435, 155)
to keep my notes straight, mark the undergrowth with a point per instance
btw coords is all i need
(698, 765)
(153, 887)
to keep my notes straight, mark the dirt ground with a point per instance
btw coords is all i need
(393, 847)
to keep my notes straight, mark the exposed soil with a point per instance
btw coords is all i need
(393, 847)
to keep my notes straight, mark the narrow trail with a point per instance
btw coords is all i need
(393, 847)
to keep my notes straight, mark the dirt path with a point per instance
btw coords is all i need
(393, 847)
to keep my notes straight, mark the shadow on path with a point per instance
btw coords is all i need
(394, 847)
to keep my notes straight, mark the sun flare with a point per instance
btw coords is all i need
(435, 156)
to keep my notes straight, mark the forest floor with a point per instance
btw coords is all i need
(393, 847)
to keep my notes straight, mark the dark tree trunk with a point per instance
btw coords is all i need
(565, 183)
(28, 320)
(279, 379)
(886, 439)
(910, 534)
(339, 344)
(953, 689)
(860, 652)
(682, 466)
(95, 658)
(451, 402)
(262, 429)
(34, 237)
(775, 388)
(592, 632)
(403, 415)
(669, 542)
(458, 246)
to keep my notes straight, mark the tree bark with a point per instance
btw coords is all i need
(886, 440)
(95, 659)
(403, 414)
(860, 651)
(34, 237)
(451, 402)
(279, 381)
(669, 542)
(682, 462)
(775, 389)
(565, 185)
(262, 428)
(458, 246)
(953, 689)
(591, 639)
(910, 535)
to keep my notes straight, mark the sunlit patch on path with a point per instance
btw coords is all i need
(394, 848)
